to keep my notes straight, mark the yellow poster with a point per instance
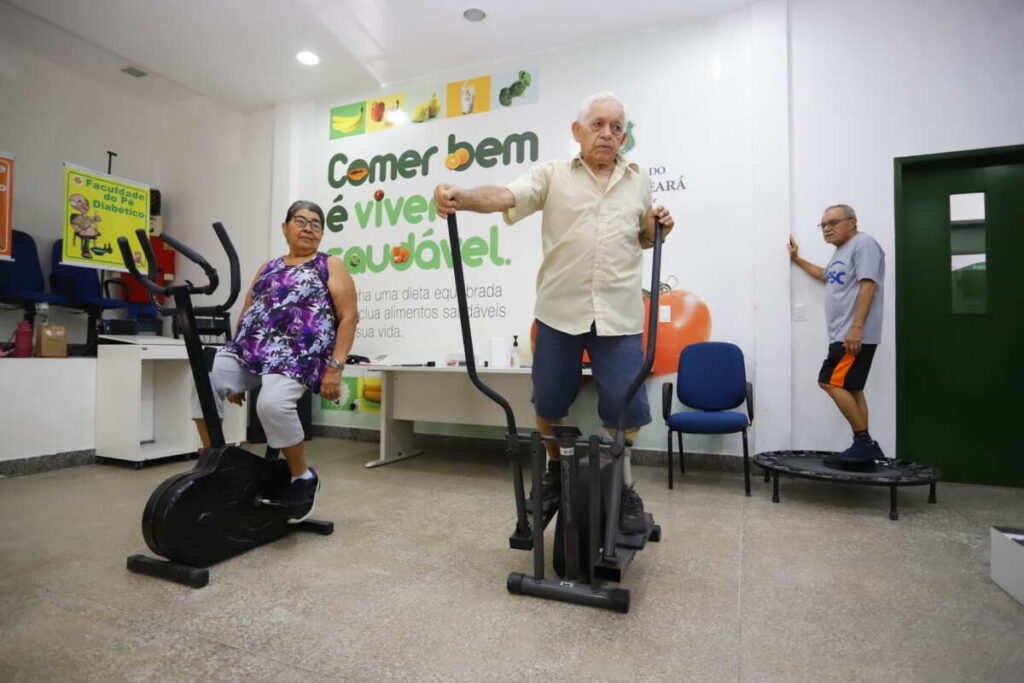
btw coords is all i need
(99, 208)
(6, 200)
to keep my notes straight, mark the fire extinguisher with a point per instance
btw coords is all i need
(23, 340)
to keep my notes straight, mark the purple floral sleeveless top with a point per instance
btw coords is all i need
(290, 327)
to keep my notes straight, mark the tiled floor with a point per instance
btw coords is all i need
(411, 586)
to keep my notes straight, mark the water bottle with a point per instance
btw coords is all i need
(23, 340)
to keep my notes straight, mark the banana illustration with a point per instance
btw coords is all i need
(347, 124)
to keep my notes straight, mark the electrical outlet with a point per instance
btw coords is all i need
(799, 313)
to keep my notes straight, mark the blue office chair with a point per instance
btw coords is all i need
(21, 280)
(712, 378)
(81, 288)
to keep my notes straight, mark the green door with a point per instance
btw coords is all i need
(960, 314)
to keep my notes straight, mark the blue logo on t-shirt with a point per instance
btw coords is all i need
(834, 275)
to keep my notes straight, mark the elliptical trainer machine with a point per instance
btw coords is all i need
(589, 547)
(229, 502)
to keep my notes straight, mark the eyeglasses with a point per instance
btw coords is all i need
(314, 225)
(834, 222)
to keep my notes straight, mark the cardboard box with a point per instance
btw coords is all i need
(1008, 560)
(51, 341)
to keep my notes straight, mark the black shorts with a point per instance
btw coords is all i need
(841, 369)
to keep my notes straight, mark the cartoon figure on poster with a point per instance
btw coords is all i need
(84, 225)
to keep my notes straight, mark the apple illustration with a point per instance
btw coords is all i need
(377, 111)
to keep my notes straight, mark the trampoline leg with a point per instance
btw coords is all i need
(893, 515)
(766, 475)
(775, 487)
(931, 494)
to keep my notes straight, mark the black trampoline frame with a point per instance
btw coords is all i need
(918, 474)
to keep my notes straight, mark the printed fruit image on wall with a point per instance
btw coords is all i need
(427, 110)
(683, 319)
(457, 159)
(377, 111)
(347, 124)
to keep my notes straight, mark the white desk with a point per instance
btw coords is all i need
(444, 394)
(144, 394)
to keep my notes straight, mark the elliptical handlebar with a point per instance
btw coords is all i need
(213, 279)
(652, 335)
(467, 335)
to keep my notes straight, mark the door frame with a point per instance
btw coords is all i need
(971, 158)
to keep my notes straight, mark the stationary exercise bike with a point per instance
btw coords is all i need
(230, 501)
(589, 547)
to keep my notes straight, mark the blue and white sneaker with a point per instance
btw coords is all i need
(300, 497)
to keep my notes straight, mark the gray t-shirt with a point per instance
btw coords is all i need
(861, 258)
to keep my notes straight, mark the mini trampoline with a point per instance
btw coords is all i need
(809, 465)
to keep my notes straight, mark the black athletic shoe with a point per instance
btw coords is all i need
(551, 484)
(300, 496)
(631, 512)
(859, 457)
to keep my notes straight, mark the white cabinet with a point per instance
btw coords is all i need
(144, 392)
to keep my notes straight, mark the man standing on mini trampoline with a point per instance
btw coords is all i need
(853, 313)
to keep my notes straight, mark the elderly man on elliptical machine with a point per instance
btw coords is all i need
(597, 219)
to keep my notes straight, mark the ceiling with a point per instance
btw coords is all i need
(242, 52)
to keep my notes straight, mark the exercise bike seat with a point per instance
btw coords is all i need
(211, 513)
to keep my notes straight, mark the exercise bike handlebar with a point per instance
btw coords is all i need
(213, 279)
(652, 335)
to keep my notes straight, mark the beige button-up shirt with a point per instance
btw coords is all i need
(592, 267)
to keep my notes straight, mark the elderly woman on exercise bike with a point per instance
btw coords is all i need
(294, 333)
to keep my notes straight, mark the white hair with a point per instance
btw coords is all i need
(846, 208)
(603, 96)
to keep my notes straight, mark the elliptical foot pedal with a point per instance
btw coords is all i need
(519, 541)
(195, 577)
(638, 541)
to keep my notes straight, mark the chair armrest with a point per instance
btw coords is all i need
(666, 399)
(750, 402)
(120, 283)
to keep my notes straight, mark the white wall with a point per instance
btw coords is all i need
(868, 82)
(709, 101)
(47, 406)
(871, 81)
(49, 115)
(210, 162)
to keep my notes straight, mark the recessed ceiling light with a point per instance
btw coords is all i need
(474, 14)
(307, 57)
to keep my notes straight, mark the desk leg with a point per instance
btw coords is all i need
(396, 436)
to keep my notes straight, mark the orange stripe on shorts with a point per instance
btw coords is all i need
(838, 377)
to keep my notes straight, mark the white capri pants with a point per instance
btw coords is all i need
(276, 405)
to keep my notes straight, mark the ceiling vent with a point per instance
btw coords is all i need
(133, 71)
